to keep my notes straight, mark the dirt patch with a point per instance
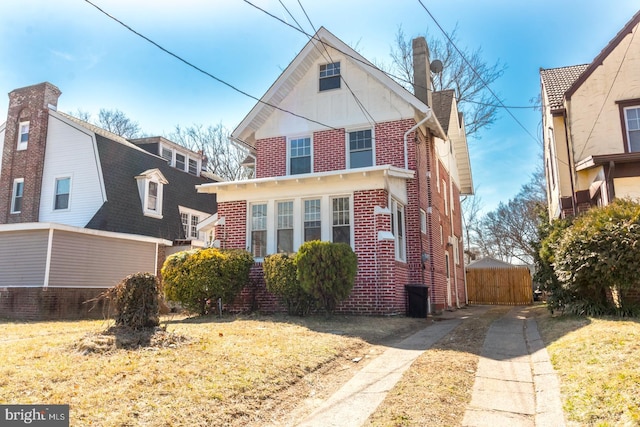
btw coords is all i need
(122, 337)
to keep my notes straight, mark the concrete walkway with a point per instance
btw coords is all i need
(516, 384)
(352, 404)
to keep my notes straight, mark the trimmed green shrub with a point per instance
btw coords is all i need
(327, 271)
(135, 301)
(199, 277)
(598, 255)
(280, 276)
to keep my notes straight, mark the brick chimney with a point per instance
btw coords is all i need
(422, 85)
(24, 159)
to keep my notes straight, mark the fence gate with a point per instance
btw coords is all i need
(500, 286)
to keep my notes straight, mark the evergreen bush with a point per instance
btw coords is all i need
(280, 275)
(327, 271)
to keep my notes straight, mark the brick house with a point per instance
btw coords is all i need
(591, 122)
(343, 153)
(81, 208)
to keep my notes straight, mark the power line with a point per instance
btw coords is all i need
(206, 73)
(476, 72)
(369, 64)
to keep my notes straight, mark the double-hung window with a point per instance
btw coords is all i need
(63, 189)
(152, 196)
(193, 167)
(329, 76)
(259, 230)
(16, 197)
(360, 149)
(23, 135)
(167, 154)
(341, 222)
(180, 161)
(284, 233)
(299, 156)
(397, 222)
(312, 220)
(632, 121)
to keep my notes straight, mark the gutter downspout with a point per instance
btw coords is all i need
(574, 201)
(406, 135)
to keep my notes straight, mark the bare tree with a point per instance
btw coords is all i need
(510, 231)
(471, 220)
(479, 106)
(224, 158)
(117, 122)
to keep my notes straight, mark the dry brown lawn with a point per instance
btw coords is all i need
(207, 371)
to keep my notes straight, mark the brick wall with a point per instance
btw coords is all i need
(271, 157)
(329, 150)
(233, 234)
(50, 303)
(25, 104)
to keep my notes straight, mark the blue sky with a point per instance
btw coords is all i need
(97, 63)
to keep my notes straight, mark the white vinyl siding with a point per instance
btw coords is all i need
(72, 153)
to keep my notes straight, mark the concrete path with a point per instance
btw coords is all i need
(515, 385)
(352, 404)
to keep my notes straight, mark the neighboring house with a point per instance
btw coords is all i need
(591, 127)
(81, 208)
(343, 153)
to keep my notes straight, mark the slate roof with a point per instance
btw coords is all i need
(121, 162)
(557, 81)
(442, 102)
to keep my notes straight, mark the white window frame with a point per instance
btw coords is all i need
(18, 182)
(445, 197)
(190, 214)
(290, 156)
(304, 216)
(349, 217)
(329, 72)
(191, 160)
(167, 150)
(626, 125)
(438, 174)
(423, 221)
(22, 145)
(399, 230)
(251, 223)
(290, 225)
(55, 192)
(184, 161)
(348, 146)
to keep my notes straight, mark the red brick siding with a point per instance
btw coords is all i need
(50, 303)
(389, 138)
(271, 157)
(233, 234)
(329, 150)
(25, 104)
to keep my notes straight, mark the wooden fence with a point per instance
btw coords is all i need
(500, 286)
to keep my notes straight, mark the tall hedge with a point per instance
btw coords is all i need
(327, 271)
(197, 278)
(280, 275)
(600, 252)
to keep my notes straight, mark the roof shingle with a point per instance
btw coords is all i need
(557, 81)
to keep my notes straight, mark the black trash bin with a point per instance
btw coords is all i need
(417, 300)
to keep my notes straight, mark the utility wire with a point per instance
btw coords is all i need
(476, 72)
(195, 67)
(369, 64)
(363, 109)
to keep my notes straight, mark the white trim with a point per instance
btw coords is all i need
(47, 267)
(291, 138)
(347, 145)
(400, 248)
(23, 226)
(21, 146)
(626, 125)
(14, 187)
(55, 194)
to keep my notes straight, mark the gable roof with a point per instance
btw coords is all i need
(598, 60)
(557, 81)
(296, 70)
(488, 262)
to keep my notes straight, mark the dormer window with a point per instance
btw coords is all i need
(23, 135)
(150, 189)
(329, 76)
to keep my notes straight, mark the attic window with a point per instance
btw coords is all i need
(329, 76)
(632, 116)
(150, 189)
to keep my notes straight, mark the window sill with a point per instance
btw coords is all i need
(153, 215)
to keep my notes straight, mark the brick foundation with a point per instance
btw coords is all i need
(50, 303)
